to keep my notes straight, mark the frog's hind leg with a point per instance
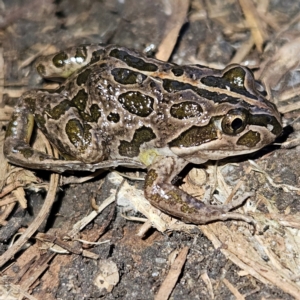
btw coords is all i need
(170, 199)
(61, 65)
(18, 151)
(18, 134)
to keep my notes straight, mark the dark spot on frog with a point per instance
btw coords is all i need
(80, 100)
(132, 149)
(196, 136)
(249, 139)
(78, 134)
(177, 71)
(137, 103)
(166, 67)
(233, 79)
(173, 86)
(153, 84)
(113, 117)
(133, 61)
(81, 54)
(59, 59)
(40, 121)
(155, 197)
(265, 121)
(95, 112)
(57, 111)
(125, 76)
(41, 69)
(150, 178)
(30, 103)
(26, 152)
(96, 55)
(185, 208)
(175, 196)
(83, 76)
(186, 110)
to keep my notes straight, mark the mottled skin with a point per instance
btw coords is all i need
(118, 107)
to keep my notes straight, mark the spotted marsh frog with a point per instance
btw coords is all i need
(118, 107)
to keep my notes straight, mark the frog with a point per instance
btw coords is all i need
(118, 107)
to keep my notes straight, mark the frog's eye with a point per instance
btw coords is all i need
(235, 121)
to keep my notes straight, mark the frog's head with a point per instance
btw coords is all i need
(241, 122)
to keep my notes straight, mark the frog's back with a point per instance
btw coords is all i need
(122, 103)
(117, 102)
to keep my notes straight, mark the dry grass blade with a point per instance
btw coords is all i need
(289, 107)
(208, 284)
(285, 59)
(254, 22)
(7, 200)
(43, 213)
(9, 188)
(177, 17)
(233, 290)
(86, 220)
(77, 180)
(286, 220)
(19, 194)
(289, 93)
(172, 277)
(242, 51)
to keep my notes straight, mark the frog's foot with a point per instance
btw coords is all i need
(171, 200)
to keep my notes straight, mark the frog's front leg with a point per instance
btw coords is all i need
(171, 200)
